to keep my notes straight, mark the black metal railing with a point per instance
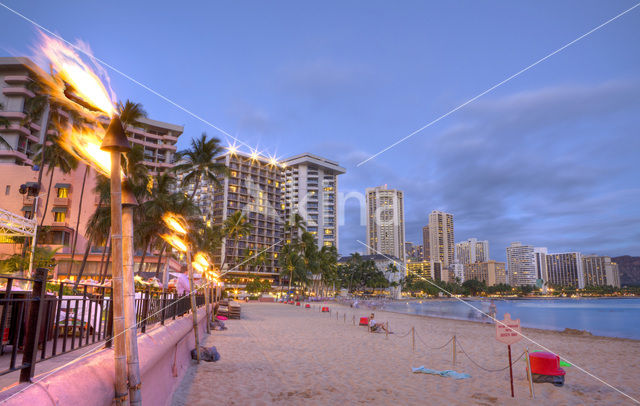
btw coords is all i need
(46, 321)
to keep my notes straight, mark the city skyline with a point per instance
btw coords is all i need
(565, 180)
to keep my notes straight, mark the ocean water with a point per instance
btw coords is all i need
(611, 317)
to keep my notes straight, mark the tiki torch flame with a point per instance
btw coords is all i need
(175, 223)
(85, 84)
(175, 241)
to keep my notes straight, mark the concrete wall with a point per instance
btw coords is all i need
(165, 355)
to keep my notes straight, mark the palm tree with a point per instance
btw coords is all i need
(290, 261)
(295, 226)
(198, 162)
(54, 157)
(130, 113)
(235, 227)
(329, 265)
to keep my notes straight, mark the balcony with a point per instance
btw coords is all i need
(17, 79)
(17, 91)
(59, 224)
(61, 201)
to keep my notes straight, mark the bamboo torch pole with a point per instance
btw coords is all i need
(205, 290)
(116, 142)
(133, 364)
(194, 309)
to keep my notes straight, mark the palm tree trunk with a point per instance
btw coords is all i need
(290, 279)
(106, 266)
(84, 260)
(46, 204)
(195, 188)
(75, 236)
(164, 246)
(144, 255)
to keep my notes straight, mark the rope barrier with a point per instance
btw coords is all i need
(487, 369)
(458, 345)
(433, 348)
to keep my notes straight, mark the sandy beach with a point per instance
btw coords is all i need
(282, 354)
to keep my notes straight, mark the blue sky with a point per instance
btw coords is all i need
(550, 158)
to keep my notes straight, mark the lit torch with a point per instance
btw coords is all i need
(178, 225)
(74, 86)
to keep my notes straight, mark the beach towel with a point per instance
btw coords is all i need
(448, 373)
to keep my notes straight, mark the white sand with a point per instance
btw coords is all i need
(281, 354)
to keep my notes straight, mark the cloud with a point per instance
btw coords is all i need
(251, 119)
(324, 80)
(555, 167)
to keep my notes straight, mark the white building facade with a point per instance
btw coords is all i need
(471, 251)
(311, 190)
(385, 222)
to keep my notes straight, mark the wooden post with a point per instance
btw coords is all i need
(133, 363)
(354, 319)
(117, 288)
(205, 290)
(529, 374)
(386, 330)
(454, 351)
(413, 339)
(194, 309)
(344, 317)
(34, 320)
(510, 369)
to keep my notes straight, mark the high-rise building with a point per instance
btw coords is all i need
(254, 186)
(521, 265)
(413, 251)
(18, 79)
(600, 271)
(489, 272)
(419, 268)
(385, 221)
(311, 189)
(441, 242)
(426, 245)
(472, 250)
(566, 269)
(159, 141)
(540, 263)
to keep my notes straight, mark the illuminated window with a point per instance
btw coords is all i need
(59, 216)
(63, 192)
(233, 188)
(234, 173)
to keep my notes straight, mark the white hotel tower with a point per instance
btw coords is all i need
(311, 189)
(385, 222)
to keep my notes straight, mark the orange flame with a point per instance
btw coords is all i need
(175, 222)
(202, 259)
(198, 267)
(74, 71)
(84, 144)
(175, 241)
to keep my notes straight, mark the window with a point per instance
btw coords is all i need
(63, 192)
(59, 216)
(7, 190)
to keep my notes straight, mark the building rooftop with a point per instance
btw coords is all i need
(309, 158)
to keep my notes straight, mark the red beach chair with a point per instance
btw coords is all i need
(364, 321)
(325, 309)
(307, 306)
(545, 367)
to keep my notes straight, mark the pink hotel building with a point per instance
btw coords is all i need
(63, 216)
